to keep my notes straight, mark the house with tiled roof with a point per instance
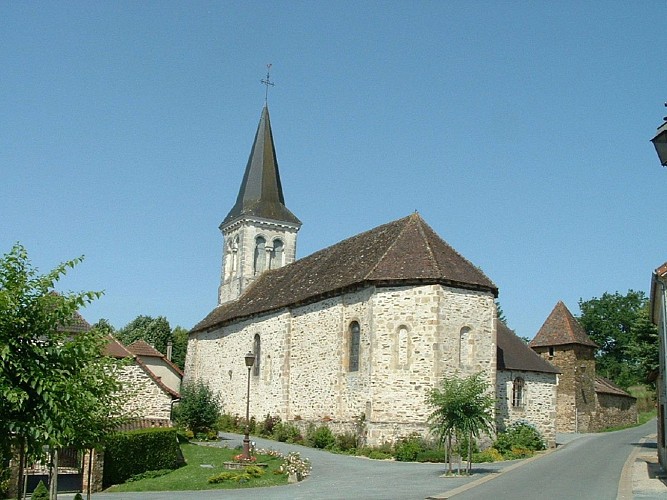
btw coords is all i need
(363, 328)
(526, 387)
(586, 402)
(150, 382)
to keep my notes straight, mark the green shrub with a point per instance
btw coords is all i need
(267, 426)
(40, 492)
(518, 452)
(520, 435)
(129, 453)
(287, 433)
(78, 497)
(254, 470)
(198, 409)
(488, 455)
(379, 455)
(437, 456)
(346, 441)
(407, 448)
(229, 423)
(320, 437)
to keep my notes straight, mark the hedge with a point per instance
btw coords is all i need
(135, 452)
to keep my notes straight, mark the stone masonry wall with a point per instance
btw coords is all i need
(614, 411)
(539, 402)
(410, 338)
(576, 386)
(142, 396)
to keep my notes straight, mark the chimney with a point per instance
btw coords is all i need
(170, 348)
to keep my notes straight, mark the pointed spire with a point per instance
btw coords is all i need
(561, 328)
(261, 193)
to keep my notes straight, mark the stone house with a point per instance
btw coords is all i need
(659, 318)
(150, 382)
(364, 328)
(586, 402)
(526, 388)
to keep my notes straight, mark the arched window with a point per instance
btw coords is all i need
(465, 347)
(517, 392)
(257, 349)
(354, 336)
(260, 254)
(276, 255)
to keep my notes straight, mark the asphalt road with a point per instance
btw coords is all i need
(586, 468)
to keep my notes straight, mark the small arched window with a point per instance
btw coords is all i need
(276, 255)
(354, 338)
(465, 347)
(518, 392)
(257, 349)
(260, 255)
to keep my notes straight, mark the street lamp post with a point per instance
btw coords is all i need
(249, 361)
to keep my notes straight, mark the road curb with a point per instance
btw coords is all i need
(625, 481)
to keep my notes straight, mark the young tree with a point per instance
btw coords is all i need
(463, 409)
(198, 409)
(620, 326)
(55, 387)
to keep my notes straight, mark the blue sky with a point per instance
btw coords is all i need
(519, 130)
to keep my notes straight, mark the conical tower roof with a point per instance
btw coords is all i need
(561, 328)
(261, 193)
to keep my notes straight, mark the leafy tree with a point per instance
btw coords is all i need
(463, 409)
(621, 327)
(179, 339)
(198, 409)
(156, 332)
(56, 389)
(105, 327)
(500, 313)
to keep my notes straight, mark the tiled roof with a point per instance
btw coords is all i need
(142, 348)
(261, 193)
(404, 252)
(115, 349)
(561, 328)
(514, 354)
(606, 386)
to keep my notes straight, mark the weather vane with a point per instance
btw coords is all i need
(266, 81)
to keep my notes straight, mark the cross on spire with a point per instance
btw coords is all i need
(266, 81)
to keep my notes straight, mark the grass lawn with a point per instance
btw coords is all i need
(193, 476)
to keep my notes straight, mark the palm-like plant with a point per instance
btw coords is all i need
(462, 407)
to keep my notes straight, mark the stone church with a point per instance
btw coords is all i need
(363, 328)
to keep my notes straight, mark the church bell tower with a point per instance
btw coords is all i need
(259, 232)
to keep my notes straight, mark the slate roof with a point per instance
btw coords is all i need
(403, 252)
(261, 193)
(514, 354)
(561, 328)
(603, 385)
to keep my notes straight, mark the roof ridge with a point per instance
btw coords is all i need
(403, 221)
(420, 227)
